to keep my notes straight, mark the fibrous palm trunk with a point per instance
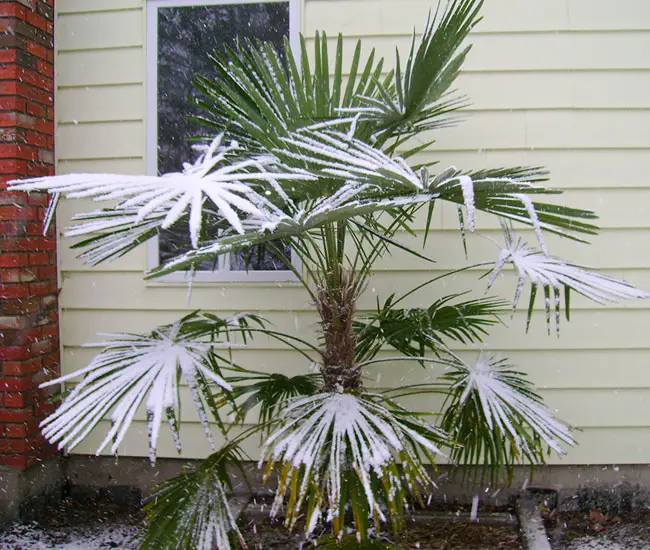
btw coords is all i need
(336, 304)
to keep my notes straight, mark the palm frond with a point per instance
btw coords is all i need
(419, 97)
(415, 331)
(271, 392)
(499, 421)
(555, 275)
(149, 201)
(133, 369)
(337, 448)
(191, 511)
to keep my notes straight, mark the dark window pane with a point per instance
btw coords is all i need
(186, 35)
(258, 258)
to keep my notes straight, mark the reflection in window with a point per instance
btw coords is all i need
(186, 35)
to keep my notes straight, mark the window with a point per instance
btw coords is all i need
(180, 34)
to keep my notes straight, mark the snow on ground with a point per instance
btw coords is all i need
(99, 536)
(625, 537)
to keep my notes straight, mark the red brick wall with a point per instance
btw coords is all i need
(29, 332)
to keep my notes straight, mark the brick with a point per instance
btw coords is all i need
(14, 353)
(39, 258)
(22, 368)
(7, 56)
(13, 292)
(24, 152)
(16, 431)
(16, 275)
(18, 213)
(14, 400)
(37, 50)
(13, 445)
(15, 415)
(48, 272)
(22, 306)
(13, 259)
(36, 109)
(15, 461)
(13, 322)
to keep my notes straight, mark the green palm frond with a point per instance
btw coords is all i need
(271, 392)
(416, 331)
(260, 94)
(493, 412)
(418, 99)
(191, 511)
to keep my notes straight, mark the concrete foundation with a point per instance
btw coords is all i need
(18, 487)
(612, 488)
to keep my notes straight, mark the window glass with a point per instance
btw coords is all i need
(185, 37)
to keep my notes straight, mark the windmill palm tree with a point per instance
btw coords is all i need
(326, 163)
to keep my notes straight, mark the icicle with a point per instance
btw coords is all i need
(467, 186)
(534, 219)
(51, 209)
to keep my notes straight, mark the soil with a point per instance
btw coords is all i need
(594, 530)
(266, 534)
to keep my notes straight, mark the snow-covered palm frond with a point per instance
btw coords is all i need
(494, 413)
(332, 448)
(226, 183)
(134, 369)
(192, 509)
(504, 193)
(330, 153)
(555, 275)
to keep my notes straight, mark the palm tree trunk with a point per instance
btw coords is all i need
(337, 305)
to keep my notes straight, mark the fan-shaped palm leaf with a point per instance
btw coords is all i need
(192, 511)
(413, 331)
(554, 275)
(134, 369)
(333, 448)
(494, 414)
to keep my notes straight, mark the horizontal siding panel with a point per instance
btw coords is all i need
(556, 89)
(594, 408)
(102, 166)
(612, 249)
(111, 29)
(596, 168)
(626, 14)
(82, 6)
(100, 67)
(128, 291)
(100, 140)
(547, 369)
(520, 129)
(588, 330)
(595, 445)
(532, 52)
(100, 103)
(364, 17)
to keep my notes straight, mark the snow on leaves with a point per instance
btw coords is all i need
(507, 402)
(554, 274)
(324, 437)
(227, 183)
(133, 369)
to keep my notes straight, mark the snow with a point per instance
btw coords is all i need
(505, 401)
(553, 273)
(130, 368)
(100, 536)
(214, 176)
(319, 434)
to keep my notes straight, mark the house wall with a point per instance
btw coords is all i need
(560, 83)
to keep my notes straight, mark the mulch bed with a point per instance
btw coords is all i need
(266, 534)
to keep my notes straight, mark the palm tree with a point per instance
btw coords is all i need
(327, 163)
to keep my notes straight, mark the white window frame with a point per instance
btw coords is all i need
(151, 151)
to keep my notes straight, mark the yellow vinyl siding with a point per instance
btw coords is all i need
(560, 83)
